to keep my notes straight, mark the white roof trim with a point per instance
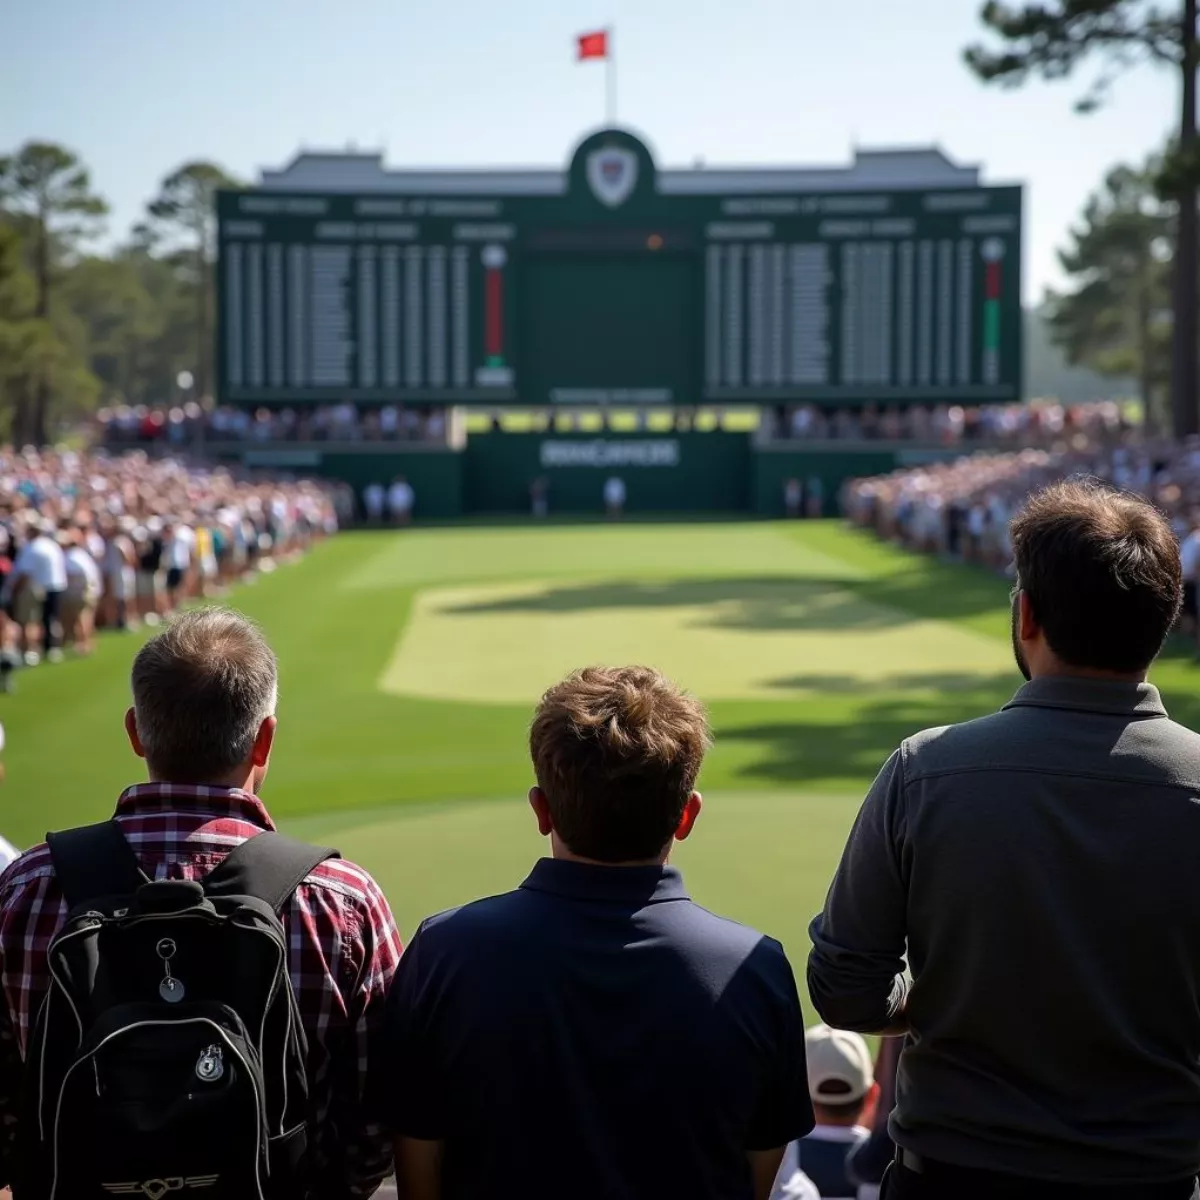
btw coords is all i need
(871, 170)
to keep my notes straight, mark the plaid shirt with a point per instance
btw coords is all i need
(344, 948)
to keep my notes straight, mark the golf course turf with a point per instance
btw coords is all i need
(410, 663)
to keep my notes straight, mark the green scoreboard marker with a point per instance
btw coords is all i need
(614, 283)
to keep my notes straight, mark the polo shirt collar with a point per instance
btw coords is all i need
(838, 1133)
(1091, 695)
(215, 802)
(613, 885)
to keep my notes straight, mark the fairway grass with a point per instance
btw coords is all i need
(410, 663)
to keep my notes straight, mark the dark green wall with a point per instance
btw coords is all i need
(436, 475)
(706, 472)
(437, 479)
(773, 468)
(711, 473)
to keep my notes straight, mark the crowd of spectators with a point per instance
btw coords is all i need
(188, 425)
(115, 540)
(962, 508)
(1035, 424)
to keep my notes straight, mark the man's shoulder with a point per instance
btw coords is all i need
(1181, 734)
(952, 747)
(699, 942)
(479, 917)
(26, 869)
(1002, 740)
(715, 931)
(684, 915)
(729, 950)
(353, 885)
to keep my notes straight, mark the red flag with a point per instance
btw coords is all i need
(593, 45)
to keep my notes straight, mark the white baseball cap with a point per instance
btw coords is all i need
(840, 1070)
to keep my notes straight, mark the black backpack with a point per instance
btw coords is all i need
(168, 1058)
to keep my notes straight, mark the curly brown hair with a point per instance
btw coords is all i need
(617, 751)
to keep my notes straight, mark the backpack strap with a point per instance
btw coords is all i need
(267, 866)
(94, 861)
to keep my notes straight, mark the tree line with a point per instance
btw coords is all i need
(80, 328)
(1133, 260)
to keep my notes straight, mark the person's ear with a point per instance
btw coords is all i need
(870, 1106)
(691, 814)
(131, 731)
(1028, 626)
(541, 810)
(263, 741)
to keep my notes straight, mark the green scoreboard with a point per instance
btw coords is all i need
(609, 289)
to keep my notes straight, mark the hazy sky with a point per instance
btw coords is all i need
(136, 87)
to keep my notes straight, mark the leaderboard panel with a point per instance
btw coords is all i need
(919, 304)
(328, 308)
(613, 290)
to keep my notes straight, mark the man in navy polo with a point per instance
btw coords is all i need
(594, 1034)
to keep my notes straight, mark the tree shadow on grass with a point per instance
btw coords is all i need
(806, 753)
(1182, 705)
(959, 684)
(1180, 649)
(757, 602)
(938, 591)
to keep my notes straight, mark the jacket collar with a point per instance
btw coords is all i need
(1091, 695)
(215, 802)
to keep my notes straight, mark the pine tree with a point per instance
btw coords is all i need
(1052, 39)
(184, 215)
(1115, 318)
(46, 187)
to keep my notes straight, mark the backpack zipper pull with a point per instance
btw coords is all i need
(170, 988)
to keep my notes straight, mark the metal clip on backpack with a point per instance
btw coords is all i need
(168, 1058)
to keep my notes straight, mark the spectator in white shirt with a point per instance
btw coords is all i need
(84, 585)
(180, 542)
(614, 497)
(120, 590)
(39, 575)
(977, 518)
(401, 498)
(373, 497)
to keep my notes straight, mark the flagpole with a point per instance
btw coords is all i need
(610, 79)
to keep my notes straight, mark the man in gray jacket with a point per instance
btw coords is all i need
(1040, 871)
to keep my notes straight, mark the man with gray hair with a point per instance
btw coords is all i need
(203, 718)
